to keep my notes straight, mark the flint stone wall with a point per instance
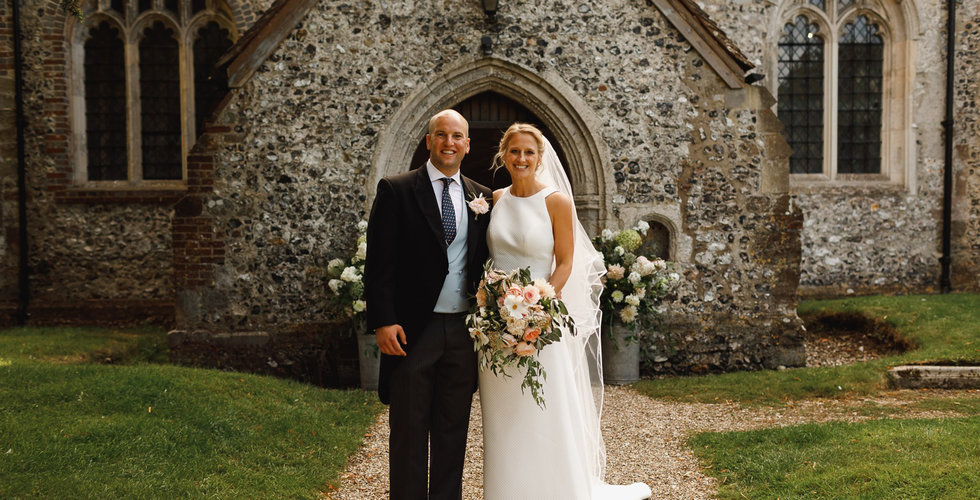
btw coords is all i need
(966, 183)
(299, 148)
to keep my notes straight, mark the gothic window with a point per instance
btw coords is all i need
(801, 96)
(860, 54)
(144, 84)
(105, 103)
(841, 91)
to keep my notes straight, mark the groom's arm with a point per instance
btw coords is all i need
(380, 267)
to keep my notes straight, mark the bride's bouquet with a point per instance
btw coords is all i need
(514, 318)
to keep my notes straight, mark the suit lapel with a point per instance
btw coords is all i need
(473, 234)
(427, 203)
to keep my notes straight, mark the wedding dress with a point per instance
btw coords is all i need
(554, 452)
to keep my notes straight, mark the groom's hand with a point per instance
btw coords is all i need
(388, 339)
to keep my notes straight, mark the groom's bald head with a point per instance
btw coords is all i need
(450, 114)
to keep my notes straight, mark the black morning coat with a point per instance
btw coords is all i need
(406, 256)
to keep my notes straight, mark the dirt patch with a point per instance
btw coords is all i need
(841, 338)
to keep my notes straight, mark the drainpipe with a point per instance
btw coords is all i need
(24, 284)
(945, 285)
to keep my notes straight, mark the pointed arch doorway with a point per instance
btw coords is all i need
(489, 114)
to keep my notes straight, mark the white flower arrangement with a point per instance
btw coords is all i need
(347, 279)
(634, 284)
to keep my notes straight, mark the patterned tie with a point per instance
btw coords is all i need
(448, 212)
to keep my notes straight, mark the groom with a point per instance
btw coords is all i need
(426, 250)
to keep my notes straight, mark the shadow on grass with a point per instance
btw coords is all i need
(938, 327)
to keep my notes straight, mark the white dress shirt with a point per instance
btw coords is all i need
(455, 189)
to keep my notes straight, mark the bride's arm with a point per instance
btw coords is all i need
(560, 211)
(496, 195)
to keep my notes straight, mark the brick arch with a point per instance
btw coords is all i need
(569, 118)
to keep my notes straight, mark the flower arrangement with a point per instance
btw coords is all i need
(633, 284)
(513, 319)
(347, 280)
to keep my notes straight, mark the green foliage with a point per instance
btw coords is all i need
(157, 431)
(942, 326)
(72, 8)
(878, 459)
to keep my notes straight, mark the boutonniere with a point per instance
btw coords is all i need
(479, 205)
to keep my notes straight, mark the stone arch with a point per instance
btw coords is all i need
(545, 94)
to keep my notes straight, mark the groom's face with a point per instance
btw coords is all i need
(448, 141)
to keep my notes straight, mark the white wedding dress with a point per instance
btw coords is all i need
(532, 452)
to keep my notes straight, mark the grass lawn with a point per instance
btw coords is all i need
(879, 459)
(139, 430)
(944, 327)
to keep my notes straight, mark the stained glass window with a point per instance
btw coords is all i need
(140, 114)
(860, 55)
(801, 96)
(105, 104)
(209, 85)
(160, 103)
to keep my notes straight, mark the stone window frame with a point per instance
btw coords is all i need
(897, 22)
(131, 26)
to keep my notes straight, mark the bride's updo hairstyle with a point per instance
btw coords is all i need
(518, 128)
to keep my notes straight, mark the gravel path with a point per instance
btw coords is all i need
(652, 451)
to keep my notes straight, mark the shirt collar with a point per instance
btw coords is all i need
(436, 175)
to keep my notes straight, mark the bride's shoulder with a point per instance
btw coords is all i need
(497, 194)
(558, 201)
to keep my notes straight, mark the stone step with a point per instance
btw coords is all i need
(934, 377)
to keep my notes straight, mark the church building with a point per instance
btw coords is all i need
(198, 162)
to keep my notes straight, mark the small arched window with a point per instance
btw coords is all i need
(143, 72)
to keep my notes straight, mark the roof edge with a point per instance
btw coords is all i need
(719, 51)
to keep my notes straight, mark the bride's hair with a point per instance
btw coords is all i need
(518, 128)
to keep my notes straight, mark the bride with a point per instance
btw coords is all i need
(556, 451)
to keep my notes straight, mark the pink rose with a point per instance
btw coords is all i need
(479, 205)
(524, 349)
(615, 272)
(531, 334)
(531, 294)
(515, 291)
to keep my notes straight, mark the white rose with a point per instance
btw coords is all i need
(674, 277)
(641, 292)
(335, 285)
(335, 266)
(619, 250)
(617, 296)
(632, 300)
(634, 278)
(642, 227)
(607, 234)
(359, 306)
(362, 226)
(350, 274)
(361, 251)
(659, 265)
